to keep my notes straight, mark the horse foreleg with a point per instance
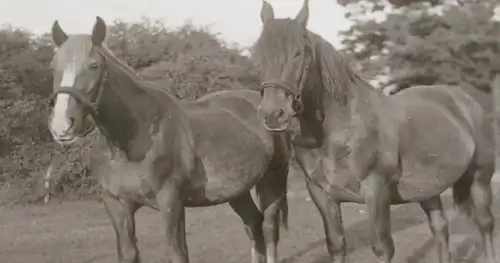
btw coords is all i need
(376, 192)
(438, 224)
(252, 218)
(271, 191)
(172, 208)
(121, 212)
(310, 162)
(331, 214)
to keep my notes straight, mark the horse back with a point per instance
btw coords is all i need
(242, 103)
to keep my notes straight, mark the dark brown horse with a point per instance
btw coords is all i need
(495, 90)
(357, 145)
(157, 151)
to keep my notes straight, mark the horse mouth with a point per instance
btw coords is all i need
(66, 140)
(277, 128)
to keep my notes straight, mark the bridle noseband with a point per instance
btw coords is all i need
(89, 106)
(297, 101)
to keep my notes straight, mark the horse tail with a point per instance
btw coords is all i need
(495, 90)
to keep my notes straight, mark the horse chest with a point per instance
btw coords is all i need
(330, 172)
(338, 169)
(127, 180)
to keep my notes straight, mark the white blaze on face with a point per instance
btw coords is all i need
(60, 121)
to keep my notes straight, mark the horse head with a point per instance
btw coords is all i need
(78, 72)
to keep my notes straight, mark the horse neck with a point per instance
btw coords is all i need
(358, 99)
(364, 99)
(128, 112)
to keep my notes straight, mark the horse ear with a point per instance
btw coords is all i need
(98, 32)
(58, 35)
(267, 12)
(303, 14)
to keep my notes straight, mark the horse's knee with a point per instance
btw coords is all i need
(438, 223)
(270, 229)
(485, 221)
(253, 226)
(481, 194)
(271, 216)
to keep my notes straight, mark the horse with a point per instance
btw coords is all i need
(156, 151)
(355, 144)
(495, 109)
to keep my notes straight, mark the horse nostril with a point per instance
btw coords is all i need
(71, 122)
(280, 113)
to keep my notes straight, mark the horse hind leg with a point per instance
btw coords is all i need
(482, 198)
(271, 193)
(438, 224)
(252, 218)
(121, 213)
(472, 194)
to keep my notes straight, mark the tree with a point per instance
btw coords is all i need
(454, 42)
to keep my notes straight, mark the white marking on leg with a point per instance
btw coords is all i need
(255, 257)
(60, 122)
(48, 176)
(496, 177)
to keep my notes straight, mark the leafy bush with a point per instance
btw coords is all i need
(190, 61)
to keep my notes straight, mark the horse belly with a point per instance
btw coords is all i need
(126, 180)
(221, 176)
(221, 184)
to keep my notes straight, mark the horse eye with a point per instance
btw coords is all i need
(298, 53)
(94, 66)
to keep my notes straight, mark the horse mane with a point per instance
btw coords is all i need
(116, 62)
(278, 35)
(337, 74)
(128, 71)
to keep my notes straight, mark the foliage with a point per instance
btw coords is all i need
(190, 61)
(452, 42)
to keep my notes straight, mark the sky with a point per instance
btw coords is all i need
(237, 21)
